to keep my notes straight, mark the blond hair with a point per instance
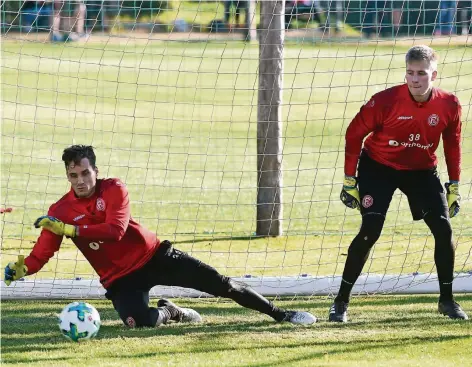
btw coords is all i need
(422, 53)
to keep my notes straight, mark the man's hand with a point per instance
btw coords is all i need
(54, 225)
(15, 271)
(453, 197)
(350, 194)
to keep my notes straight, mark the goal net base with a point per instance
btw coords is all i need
(268, 286)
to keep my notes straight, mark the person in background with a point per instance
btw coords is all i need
(239, 7)
(60, 9)
(447, 18)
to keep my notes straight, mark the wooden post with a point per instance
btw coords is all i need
(269, 124)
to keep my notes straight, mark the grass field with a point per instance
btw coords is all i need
(385, 331)
(177, 122)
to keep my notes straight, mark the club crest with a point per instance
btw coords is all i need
(367, 201)
(131, 322)
(433, 120)
(101, 205)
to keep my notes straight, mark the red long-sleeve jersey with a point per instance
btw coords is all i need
(404, 134)
(112, 242)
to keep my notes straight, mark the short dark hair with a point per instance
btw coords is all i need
(76, 153)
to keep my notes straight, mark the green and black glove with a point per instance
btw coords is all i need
(15, 271)
(54, 225)
(453, 197)
(350, 194)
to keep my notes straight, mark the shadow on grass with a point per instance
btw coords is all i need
(53, 340)
(210, 342)
(31, 325)
(337, 347)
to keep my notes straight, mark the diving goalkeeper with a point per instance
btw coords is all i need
(128, 258)
(404, 125)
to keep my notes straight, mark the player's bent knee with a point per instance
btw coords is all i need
(134, 321)
(149, 318)
(440, 226)
(371, 227)
(235, 286)
(369, 233)
(233, 289)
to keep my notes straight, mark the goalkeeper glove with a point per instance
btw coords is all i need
(453, 197)
(350, 193)
(15, 271)
(54, 225)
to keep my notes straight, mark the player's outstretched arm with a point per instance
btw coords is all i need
(55, 226)
(15, 270)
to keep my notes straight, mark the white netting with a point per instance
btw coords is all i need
(167, 93)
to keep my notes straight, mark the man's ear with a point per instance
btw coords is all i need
(434, 75)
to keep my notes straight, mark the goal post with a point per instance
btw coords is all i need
(269, 119)
(206, 129)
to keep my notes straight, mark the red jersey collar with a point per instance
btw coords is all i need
(433, 95)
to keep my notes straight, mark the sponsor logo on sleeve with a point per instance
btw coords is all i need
(79, 217)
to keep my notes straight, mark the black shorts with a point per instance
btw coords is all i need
(168, 266)
(378, 182)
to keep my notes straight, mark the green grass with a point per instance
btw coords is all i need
(177, 122)
(385, 331)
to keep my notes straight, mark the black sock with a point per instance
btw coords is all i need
(444, 253)
(344, 292)
(445, 292)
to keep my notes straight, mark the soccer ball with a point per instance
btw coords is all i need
(79, 321)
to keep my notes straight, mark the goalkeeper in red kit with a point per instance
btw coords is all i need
(128, 258)
(403, 126)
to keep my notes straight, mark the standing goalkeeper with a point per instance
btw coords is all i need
(404, 125)
(129, 259)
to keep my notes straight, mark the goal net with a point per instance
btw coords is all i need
(168, 93)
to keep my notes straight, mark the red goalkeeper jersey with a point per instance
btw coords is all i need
(404, 134)
(113, 243)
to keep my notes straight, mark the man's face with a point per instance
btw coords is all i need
(419, 77)
(82, 177)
